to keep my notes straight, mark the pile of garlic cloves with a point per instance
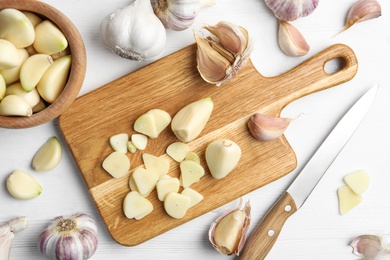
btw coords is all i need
(223, 53)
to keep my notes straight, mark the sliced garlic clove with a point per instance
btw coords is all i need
(370, 246)
(16, 28)
(176, 204)
(119, 142)
(291, 41)
(194, 196)
(12, 75)
(140, 141)
(144, 180)
(33, 69)
(116, 164)
(9, 56)
(192, 156)
(131, 147)
(158, 166)
(32, 97)
(136, 206)
(227, 233)
(190, 121)
(358, 181)
(191, 172)
(146, 124)
(222, 156)
(166, 185)
(54, 79)
(23, 185)
(363, 10)
(161, 119)
(14, 105)
(290, 10)
(49, 39)
(267, 128)
(178, 151)
(347, 199)
(48, 156)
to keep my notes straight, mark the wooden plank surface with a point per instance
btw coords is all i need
(169, 84)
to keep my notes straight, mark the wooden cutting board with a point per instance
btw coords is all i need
(170, 84)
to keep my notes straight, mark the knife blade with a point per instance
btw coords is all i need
(266, 233)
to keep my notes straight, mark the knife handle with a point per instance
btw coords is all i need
(264, 236)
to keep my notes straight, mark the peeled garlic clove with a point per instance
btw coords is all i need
(34, 19)
(140, 141)
(54, 79)
(33, 69)
(291, 41)
(9, 57)
(117, 164)
(3, 87)
(290, 10)
(363, 10)
(267, 128)
(23, 185)
(32, 97)
(222, 156)
(224, 53)
(48, 156)
(39, 107)
(12, 75)
(16, 28)
(14, 105)
(49, 39)
(370, 246)
(189, 122)
(227, 234)
(134, 32)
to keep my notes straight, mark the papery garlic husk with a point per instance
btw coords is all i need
(290, 10)
(371, 247)
(363, 10)
(227, 233)
(134, 32)
(291, 41)
(73, 237)
(267, 128)
(178, 15)
(7, 235)
(224, 53)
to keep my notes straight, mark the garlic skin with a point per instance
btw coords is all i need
(291, 41)
(224, 53)
(290, 10)
(227, 233)
(267, 128)
(134, 32)
(371, 247)
(7, 235)
(363, 10)
(73, 237)
(178, 15)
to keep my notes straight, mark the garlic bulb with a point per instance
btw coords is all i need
(291, 41)
(267, 128)
(290, 10)
(221, 55)
(178, 14)
(227, 233)
(134, 32)
(363, 10)
(69, 238)
(371, 247)
(7, 235)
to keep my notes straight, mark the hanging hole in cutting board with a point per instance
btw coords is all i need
(335, 65)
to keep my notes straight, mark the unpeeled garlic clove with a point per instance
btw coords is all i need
(48, 155)
(290, 10)
(13, 105)
(7, 234)
(227, 234)
(16, 28)
(363, 10)
(224, 53)
(291, 41)
(266, 128)
(370, 247)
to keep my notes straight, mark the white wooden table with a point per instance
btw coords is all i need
(316, 231)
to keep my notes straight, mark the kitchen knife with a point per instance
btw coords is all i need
(269, 228)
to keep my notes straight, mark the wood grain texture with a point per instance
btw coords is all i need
(267, 232)
(78, 69)
(169, 84)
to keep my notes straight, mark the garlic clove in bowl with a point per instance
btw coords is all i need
(290, 10)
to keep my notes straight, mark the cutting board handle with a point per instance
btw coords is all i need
(311, 75)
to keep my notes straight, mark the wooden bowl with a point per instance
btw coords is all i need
(77, 72)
